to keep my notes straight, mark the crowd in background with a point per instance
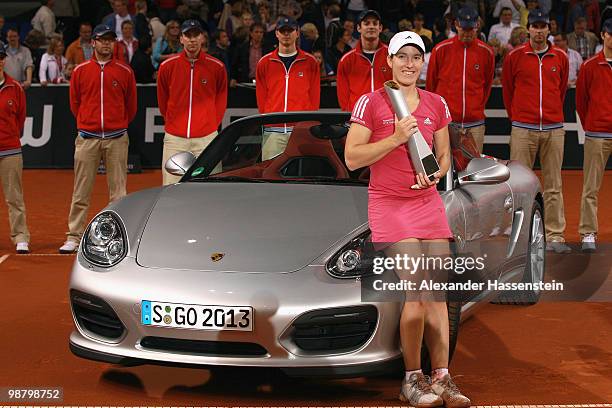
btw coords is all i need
(45, 45)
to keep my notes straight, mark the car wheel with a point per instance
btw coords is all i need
(534, 269)
(454, 318)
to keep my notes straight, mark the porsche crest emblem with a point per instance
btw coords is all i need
(217, 256)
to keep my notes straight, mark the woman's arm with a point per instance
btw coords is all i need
(359, 153)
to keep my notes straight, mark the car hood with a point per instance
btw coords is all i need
(248, 227)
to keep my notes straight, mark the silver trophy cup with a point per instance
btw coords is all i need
(421, 155)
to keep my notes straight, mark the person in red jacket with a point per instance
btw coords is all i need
(594, 107)
(365, 68)
(126, 46)
(534, 81)
(288, 79)
(12, 119)
(192, 97)
(461, 69)
(103, 101)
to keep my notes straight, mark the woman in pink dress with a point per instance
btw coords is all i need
(405, 211)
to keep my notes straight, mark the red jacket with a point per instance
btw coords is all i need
(357, 75)
(192, 97)
(463, 76)
(534, 92)
(282, 90)
(120, 51)
(103, 97)
(12, 116)
(593, 101)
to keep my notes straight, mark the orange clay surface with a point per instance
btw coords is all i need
(551, 353)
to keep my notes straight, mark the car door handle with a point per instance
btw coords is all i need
(508, 203)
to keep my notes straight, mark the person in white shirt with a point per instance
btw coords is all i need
(121, 14)
(502, 4)
(44, 19)
(575, 59)
(53, 62)
(503, 29)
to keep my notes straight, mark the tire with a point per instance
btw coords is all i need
(454, 318)
(535, 267)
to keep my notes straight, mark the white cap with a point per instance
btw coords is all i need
(405, 38)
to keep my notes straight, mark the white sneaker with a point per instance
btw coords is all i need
(23, 248)
(588, 242)
(69, 247)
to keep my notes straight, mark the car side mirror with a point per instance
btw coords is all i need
(179, 163)
(482, 170)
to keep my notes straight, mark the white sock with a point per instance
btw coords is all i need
(438, 373)
(409, 373)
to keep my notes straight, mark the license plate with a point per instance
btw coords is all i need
(199, 317)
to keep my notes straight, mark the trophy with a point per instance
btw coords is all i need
(421, 155)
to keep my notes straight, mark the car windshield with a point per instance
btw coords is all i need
(307, 148)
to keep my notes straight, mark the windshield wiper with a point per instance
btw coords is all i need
(228, 179)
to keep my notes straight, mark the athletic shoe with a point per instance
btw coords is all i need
(559, 247)
(69, 247)
(446, 388)
(588, 242)
(23, 248)
(417, 392)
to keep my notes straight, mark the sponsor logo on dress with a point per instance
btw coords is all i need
(427, 121)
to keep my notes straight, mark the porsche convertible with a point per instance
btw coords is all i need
(261, 262)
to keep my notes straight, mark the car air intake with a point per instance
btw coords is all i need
(95, 315)
(335, 330)
(204, 347)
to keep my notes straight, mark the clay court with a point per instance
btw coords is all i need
(551, 353)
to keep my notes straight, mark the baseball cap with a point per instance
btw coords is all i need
(368, 13)
(191, 25)
(607, 26)
(286, 22)
(2, 49)
(404, 38)
(467, 17)
(101, 30)
(537, 16)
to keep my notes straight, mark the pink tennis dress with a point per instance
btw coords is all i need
(396, 211)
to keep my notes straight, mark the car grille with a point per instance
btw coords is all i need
(335, 330)
(204, 347)
(95, 315)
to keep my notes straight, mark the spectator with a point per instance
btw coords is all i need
(334, 27)
(427, 57)
(192, 114)
(158, 28)
(594, 105)
(231, 18)
(502, 4)
(141, 22)
(503, 29)
(582, 40)
(12, 120)
(524, 11)
(141, 63)
(310, 39)
(585, 8)
(220, 48)
(519, 36)
(365, 68)
(405, 25)
(52, 63)
(241, 35)
(500, 53)
(81, 49)
(167, 10)
(340, 48)
(2, 34)
(34, 41)
(288, 79)
(18, 63)
(127, 45)
(103, 101)
(325, 69)
(575, 59)
(119, 15)
(350, 26)
(265, 18)
(168, 45)
(248, 54)
(354, 8)
(419, 28)
(554, 27)
(439, 33)
(534, 103)
(44, 19)
(66, 14)
(461, 70)
(247, 19)
(68, 70)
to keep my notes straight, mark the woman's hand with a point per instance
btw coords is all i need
(404, 129)
(423, 181)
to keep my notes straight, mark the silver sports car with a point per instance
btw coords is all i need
(251, 262)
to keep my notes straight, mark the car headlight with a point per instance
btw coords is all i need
(104, 242)
(354, 259)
